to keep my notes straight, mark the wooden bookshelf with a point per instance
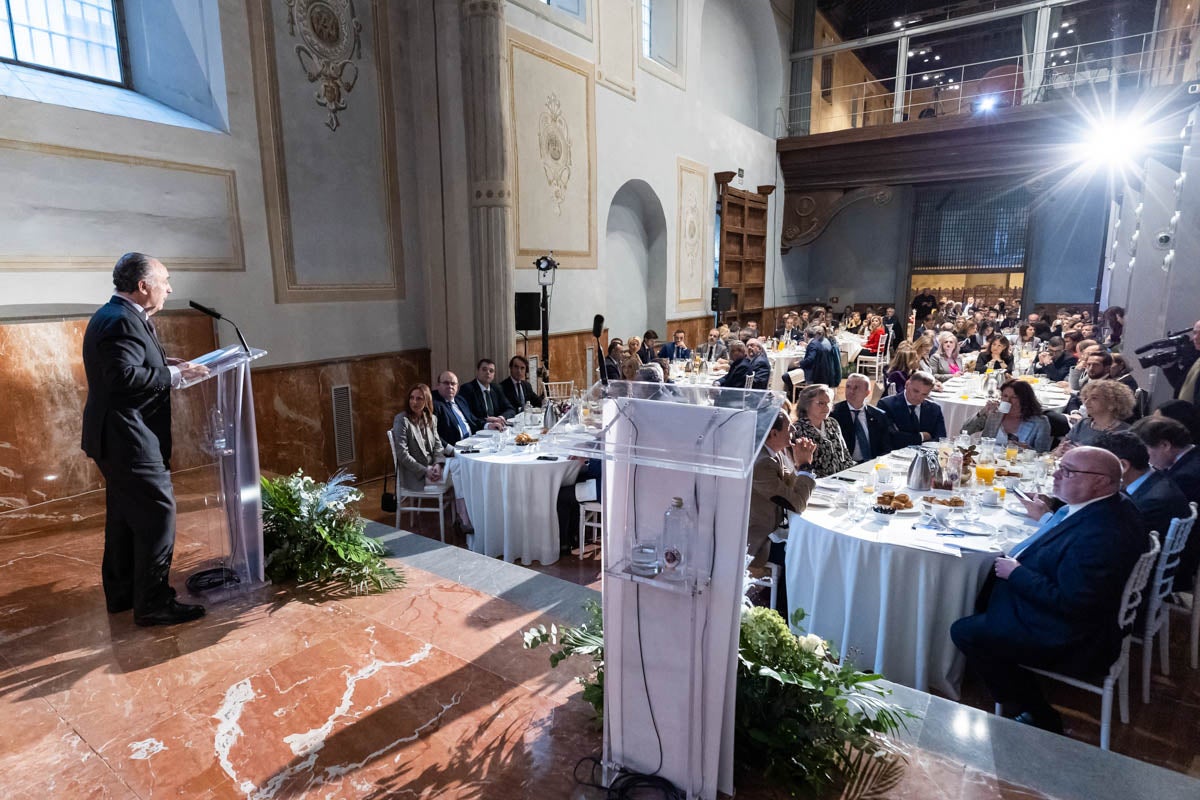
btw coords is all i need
(743, 259)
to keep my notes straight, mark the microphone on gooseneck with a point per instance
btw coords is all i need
(212, 312)
(597, 329)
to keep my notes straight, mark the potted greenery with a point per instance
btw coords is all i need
(805, 725)
(313, 536)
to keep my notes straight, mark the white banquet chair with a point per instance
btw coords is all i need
(410, 502)
(590, 520)
(1118, 673)
(874, 366)
(1157, 615)
(559, 390)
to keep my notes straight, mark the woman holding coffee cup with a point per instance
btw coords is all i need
(1016, 417)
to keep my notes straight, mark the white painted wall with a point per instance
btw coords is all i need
(643, 138)
(293, 332)
(636, 261)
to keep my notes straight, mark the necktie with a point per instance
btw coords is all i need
(912, 415)
(520, 394)
(463, 427)
(1050, 524)
(487, 401)
(862, 444)
(154, 335)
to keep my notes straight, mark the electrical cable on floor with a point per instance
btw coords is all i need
(213, 578)
(628, 785)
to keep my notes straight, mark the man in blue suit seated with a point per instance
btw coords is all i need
(760, 365)
(1172, 453)
(739, 367)
(1054, 601)
(454, 418)
(676, 349)
(911, 418)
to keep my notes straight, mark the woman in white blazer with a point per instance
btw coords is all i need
(420, 451)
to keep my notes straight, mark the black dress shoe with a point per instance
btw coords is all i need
(1047, 721)
(118, 606)
(171, 614)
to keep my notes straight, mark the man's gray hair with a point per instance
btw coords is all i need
(921, 376)
(130, 270)
(858, 376)
(650, 373)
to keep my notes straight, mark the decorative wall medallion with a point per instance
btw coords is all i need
(329, 33)
(554, 145)
(692, 226)
(805, 216)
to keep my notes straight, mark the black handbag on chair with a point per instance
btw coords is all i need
(387, 502)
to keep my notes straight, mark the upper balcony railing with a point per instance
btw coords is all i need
(1135, 64)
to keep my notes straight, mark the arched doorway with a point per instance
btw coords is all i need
(635, 261)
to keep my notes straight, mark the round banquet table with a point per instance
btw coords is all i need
(511, 497)
(779, 365)
(885, 594)
(956, 410)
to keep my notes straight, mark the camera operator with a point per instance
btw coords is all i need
(1177, 354)
(1190, 373)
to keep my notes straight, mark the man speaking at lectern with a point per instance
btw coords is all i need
(127, 432)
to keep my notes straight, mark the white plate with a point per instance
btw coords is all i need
(972, 528)
(1017, 511)
(820, 501)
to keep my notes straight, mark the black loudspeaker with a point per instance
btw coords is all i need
(529, 311)
(722, 299)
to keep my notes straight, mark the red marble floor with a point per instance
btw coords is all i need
(422, 692)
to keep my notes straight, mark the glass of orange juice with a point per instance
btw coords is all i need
(985, 473)
(1011, 451)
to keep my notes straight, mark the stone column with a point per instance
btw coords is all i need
(486, 108)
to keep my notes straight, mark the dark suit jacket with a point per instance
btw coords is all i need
(1059, 608)
(509, 388)
(1057, 369)
(761, 367)
(817, 363)
(447, 425)
(877, 428)
(736, 377)
(1159, 500)
(1186, 474)
(127, 416)
(668, 351)
(901, 432)
(472, 392)
(984, 357)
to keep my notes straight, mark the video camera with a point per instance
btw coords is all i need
(1170, 349)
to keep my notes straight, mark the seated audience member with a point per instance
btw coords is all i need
(760, 365)
(1026, 335)
(814, 423)
(998, 356)
(875, 334)
(633, 346)
(780, 483)
(1071, 340)
(904, 363)
(612, 361)
(864, 427)
(1041, 328)
(649, 344)
(972, 342)
(677, 349)
(516, 387)
(1119, 371)
(853, 323)
(1183, 412)
(650, 373)
(911, 418)
(752, 327)
(1054, 362)
(946, 363)
(1093, 365)
(567, 503)
(1054, 602)
(420, 451)
(819, 358)
(1113, 326)
(924, 345)
(1108, 404)
(485, 400)
(1157, 497)
(1078, 376)
(739, 367)
(714, 349)
(893, 325)
(630, 365)
(786, 329)
(455, 421)
(1024, 422)
(1172, 452)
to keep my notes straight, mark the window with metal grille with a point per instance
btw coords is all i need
(970, 227)
(78, 37)
(827, 78)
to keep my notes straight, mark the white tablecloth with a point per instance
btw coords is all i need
(957, 410)
(780, 359)
(512, 498)
(884, 600)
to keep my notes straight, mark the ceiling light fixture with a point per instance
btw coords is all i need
(987, 103)
(897, 23)
(1114, 143)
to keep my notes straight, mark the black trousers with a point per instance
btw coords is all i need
(778, 555)
(1009, 684)
(139, 535)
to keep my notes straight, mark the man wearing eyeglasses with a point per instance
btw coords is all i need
(1054, 601)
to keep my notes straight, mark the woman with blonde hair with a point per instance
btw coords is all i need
(1108, 404)
(420, 451)
(812, 421)
(904, 363)
(946, 362)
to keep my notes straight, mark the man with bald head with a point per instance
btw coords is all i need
(1053, 604)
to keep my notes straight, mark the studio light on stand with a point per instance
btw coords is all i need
(546, 267)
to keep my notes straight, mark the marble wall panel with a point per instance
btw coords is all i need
(41, 407)
(294, 411)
